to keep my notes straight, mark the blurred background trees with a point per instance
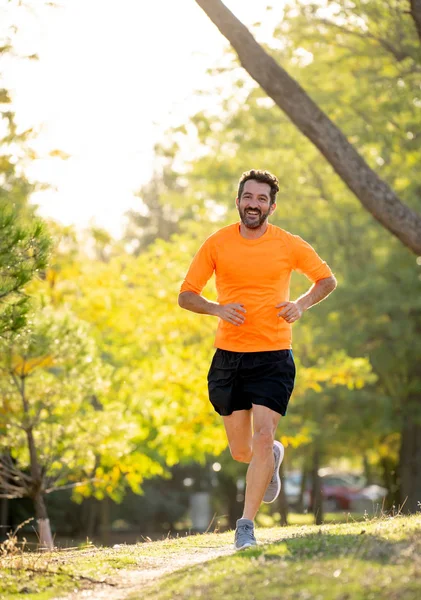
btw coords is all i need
(107, 376)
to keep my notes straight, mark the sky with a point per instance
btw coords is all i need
(112, 76)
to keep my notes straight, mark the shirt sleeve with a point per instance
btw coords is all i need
(306, 260)
(201, 269)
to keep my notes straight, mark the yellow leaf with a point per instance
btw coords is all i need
(23, 366)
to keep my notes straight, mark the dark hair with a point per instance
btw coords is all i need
(262, 177)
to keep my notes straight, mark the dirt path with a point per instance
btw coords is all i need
(131, 581)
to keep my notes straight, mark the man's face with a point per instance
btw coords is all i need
(254, 205)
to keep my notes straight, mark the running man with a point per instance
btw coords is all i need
(252, 374)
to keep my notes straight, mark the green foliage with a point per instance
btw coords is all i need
(55, 385)
(163, 206)
(24, 252)
(51, 386)
(132, 303)
(374, 53)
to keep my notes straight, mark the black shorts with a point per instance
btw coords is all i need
(236, 380)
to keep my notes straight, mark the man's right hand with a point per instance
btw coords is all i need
(232, 313)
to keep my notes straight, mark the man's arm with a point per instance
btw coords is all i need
(292, 311)
(232, 313)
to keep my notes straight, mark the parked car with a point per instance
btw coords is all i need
(340, 491)
(347, 491)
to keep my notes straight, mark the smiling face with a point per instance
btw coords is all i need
(254, 204)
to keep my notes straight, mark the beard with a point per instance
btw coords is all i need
(253, 221)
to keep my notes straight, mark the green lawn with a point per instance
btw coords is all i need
(376, 559)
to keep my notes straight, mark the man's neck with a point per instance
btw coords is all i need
(253, 234)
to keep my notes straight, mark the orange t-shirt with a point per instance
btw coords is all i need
(256, 273)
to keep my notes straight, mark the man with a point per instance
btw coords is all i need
(251, 377)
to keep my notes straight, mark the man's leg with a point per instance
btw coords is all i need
(261, 466)
(239, 434)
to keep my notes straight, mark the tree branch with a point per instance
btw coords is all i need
(416, 15)
(398, 54)
(8, 470)
(69, 486)
(9, 488)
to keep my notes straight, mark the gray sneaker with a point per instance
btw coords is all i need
(244, 534)
(274, 486)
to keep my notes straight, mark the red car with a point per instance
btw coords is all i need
(339, 490)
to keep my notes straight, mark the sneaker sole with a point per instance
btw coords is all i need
(278, 479)
(248, 545)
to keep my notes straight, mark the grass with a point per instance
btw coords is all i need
(379, 558)
(308, 518)
(376, 559)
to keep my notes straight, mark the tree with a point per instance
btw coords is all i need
(164, 206)
(51, 383)
(373, 192)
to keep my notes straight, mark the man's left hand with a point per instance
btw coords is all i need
(291, 311)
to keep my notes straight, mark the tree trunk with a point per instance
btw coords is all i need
(282, 502)
(410, 466)
(37, 495)
(367, 471)
(91, 525)
(44, 529)
(4, 515)
(390, 483)
(374, 193)
(231, 498)
(317, 485)
(303, 485)
(416, 15)
(105, 521)
(235, 508)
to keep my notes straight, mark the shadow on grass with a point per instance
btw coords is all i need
(310, 572)
(323, 546)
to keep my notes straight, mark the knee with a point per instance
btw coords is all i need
(263, 439)
(241, 454)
